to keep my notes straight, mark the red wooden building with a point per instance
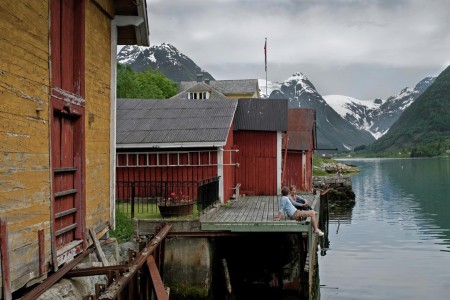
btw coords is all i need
(172, 144)
(258, 128)
(298, 154)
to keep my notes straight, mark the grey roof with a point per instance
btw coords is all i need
(239, 86)
(261, 115)
(200, 87)
(150, 122)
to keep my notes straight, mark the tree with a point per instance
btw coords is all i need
(149, 84)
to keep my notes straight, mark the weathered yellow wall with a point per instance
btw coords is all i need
(24, 133)
(25, 174)
(98, 105)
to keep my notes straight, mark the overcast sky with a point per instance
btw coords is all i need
(360, 48)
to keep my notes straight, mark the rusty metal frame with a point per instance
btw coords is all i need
(119, 276)
(97, 271)
(158, 284)
(113, 291)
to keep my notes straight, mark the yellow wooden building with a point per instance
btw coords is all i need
(57, 131)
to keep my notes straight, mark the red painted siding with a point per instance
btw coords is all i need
(300, 135)
(295, 175)
(165, 169)
(257, 157)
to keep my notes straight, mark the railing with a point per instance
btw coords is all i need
(208, 192)
(153, 199)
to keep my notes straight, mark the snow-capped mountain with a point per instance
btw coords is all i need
(332, 130)
(376, 116)
(165, 58)
(342, 122)
(358, 112)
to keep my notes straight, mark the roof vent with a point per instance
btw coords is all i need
(199, 77)
(207, 80)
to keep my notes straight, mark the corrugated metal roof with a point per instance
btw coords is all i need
(261, 115)
(301, 129)
(300, 140)
(154, 121)
(239, 86)
(301, 118)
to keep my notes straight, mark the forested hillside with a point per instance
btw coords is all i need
(424, 128)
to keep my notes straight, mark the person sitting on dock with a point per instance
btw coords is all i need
(295, 214)
(297, 200)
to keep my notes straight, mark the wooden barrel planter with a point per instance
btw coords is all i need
(175, 209)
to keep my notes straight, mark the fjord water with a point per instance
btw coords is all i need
(394, 243)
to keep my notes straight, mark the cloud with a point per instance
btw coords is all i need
(226, 36)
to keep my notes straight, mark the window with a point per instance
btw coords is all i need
(198, 95)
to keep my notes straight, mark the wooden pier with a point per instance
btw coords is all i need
(255, 214)
(249, 216)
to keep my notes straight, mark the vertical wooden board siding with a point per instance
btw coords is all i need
(293, 169)
(55, 45)
(98, 103)
(67, 25)
(257, 157)
(309, 167)
(294, 172)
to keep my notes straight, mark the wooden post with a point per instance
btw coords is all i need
(6, 280)
(41, 239)
(133, 195)
(283, 172)
(227, 276)
(99, 248)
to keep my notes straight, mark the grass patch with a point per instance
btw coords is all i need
(317, 162)
(320, 172)
(124, 228)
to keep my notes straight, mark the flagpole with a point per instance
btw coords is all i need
(265, 59)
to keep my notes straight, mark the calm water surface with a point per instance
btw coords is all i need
(395, 242)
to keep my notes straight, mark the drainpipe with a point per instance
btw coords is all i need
(220, 174)
(112, 137)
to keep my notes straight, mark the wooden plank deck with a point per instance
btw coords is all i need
(255, 214)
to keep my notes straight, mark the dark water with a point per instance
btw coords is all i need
(395, 242)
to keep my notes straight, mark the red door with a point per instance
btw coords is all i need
(67, 171)
(67, 41)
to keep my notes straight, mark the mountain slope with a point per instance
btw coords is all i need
(332, 130)
(424, 127)
(377, 116)
(164, 58)
(357, 112)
